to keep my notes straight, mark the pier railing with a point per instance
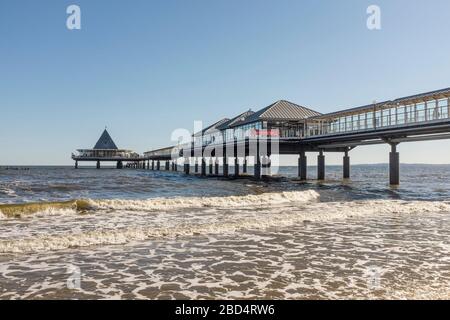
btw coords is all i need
(389, 115)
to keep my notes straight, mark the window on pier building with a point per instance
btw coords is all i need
(443, 108)
(241, 132)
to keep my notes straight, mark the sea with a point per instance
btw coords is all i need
(142, 234)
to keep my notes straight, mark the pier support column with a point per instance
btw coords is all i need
(203, 173)
(257, 168)
(195, 165)
(76, 164)
(216, 166)
(394, 166)
(153, 164)
(321, 166)
(302, 166)
(346, 166)
(210, 166)
(187, 165)
(158, 165)
(244, 165)
(225, 167)
(236, 166)
(98, 164)
(167, 165)
(266, 164)
(119, 165)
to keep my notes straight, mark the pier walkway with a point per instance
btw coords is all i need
(286, 128)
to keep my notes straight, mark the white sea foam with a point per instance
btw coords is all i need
(201, 202)
(280, 216)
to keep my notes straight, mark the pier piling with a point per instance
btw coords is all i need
(394, 165)
(346, 169)
(257, 168)
(216, 166)
(98, 164)
(321, 166)
(266, 166)
(187, 165)
(203, 160)
(302, 166)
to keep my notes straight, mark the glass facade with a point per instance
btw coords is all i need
(365, 120)
(398, 115)
(244, 131)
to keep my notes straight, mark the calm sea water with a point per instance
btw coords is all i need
(140, 234)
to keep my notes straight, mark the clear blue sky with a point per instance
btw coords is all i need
(144, 68)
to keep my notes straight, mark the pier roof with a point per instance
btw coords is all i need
(105, 142)
(212, 127)
(239, 118)
(281, 110)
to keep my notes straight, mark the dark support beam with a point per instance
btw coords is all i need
(225, 159)
(167, 165)
(158, 165)
(321, 166)
(203, 166)
(187, 166)
(210, 166)
(153, 164)
(302, 166)
(173, 165)
(236, 159)
(195, 165)
(225, 167)
(346, 166)
(98, 164)
(244, 166)
(266, 164)
(119, 165)
(216, 166)
(394, 166)
(257, 168)
(76, 164)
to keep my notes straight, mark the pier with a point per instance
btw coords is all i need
(105, 150)
(285, 128)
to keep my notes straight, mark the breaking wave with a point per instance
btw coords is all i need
(274, 217)
(18, 210)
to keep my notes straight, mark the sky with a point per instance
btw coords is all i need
(144, 68)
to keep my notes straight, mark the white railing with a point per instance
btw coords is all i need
(399, 116)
